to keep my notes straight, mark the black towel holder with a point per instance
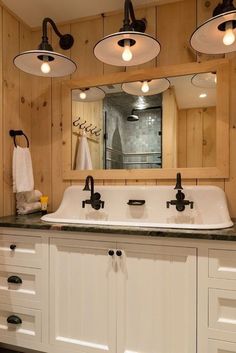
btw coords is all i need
(14, 133)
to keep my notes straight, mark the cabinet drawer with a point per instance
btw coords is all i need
(222, 264)
(222, 310)
(221, 347)
(28, 330)
(20, 250)
(20, 286)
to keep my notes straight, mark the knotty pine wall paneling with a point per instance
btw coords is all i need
(15, 96)
(42, 128)
(1, 121)
(86, 34)
(204, 10)
(174, 24)
(58, 185)
(11, 99)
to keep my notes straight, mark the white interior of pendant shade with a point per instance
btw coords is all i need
(93, 94)
(155, 87)
(29, 62)
(208, 39)
(110, 52)
(204, 80)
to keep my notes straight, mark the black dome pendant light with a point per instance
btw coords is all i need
(130, 46)
(218, 34)
(44, 61)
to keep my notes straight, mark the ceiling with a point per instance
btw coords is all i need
(33, 11)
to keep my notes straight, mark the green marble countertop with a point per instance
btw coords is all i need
(33, 222)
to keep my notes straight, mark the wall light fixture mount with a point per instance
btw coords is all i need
(218, 34)
(44, 61)
(131, 45)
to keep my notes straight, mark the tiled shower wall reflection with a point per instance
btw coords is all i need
(133, 144)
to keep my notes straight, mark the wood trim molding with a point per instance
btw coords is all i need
(221, 170)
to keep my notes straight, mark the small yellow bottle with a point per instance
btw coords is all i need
(44, 204)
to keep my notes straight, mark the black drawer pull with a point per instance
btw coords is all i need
(14, 279)
(12, 247)
(15, 320)
(136, 202)
(119, 253)
(111, 252)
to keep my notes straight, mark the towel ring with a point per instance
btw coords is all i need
(14, 133)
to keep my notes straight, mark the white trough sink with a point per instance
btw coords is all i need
(209, 210)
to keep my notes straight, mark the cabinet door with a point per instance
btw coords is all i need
(156, 299)
(83, 296)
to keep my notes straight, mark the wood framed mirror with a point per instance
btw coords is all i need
(215, 166)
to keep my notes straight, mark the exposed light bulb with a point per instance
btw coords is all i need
(45, 67)
(229, 37)
(203, 95)
(145, 87)
(215, 79)
(82, 95)
(127, 54)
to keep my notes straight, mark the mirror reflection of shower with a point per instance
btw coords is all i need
(133, 131)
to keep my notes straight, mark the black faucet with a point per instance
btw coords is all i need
(178, 185)
(180, 201)
(95, 197)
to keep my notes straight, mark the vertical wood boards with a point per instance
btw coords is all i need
(25, 85)
(196, 137)
(58, 185)
(175, 23)
(230, 184)
(86, 34)
(11, 90)
(169, 129)
(42, 129)
(1, 119)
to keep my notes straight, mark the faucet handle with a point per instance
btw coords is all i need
(178, 185)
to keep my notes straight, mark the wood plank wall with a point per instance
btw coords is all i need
(172, 24)
(15, 100)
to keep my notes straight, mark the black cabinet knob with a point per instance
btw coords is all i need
(13, 319)
(12, 247)
(119, 253)
(111, 252)
(14, 279)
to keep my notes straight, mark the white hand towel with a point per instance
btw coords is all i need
(22, 171)
(27, 208)
(83, 157)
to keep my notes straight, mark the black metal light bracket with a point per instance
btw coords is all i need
(225, 6)
(130, 23)
(66, 40)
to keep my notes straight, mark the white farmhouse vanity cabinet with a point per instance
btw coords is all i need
(139, 298)
(64, 291)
